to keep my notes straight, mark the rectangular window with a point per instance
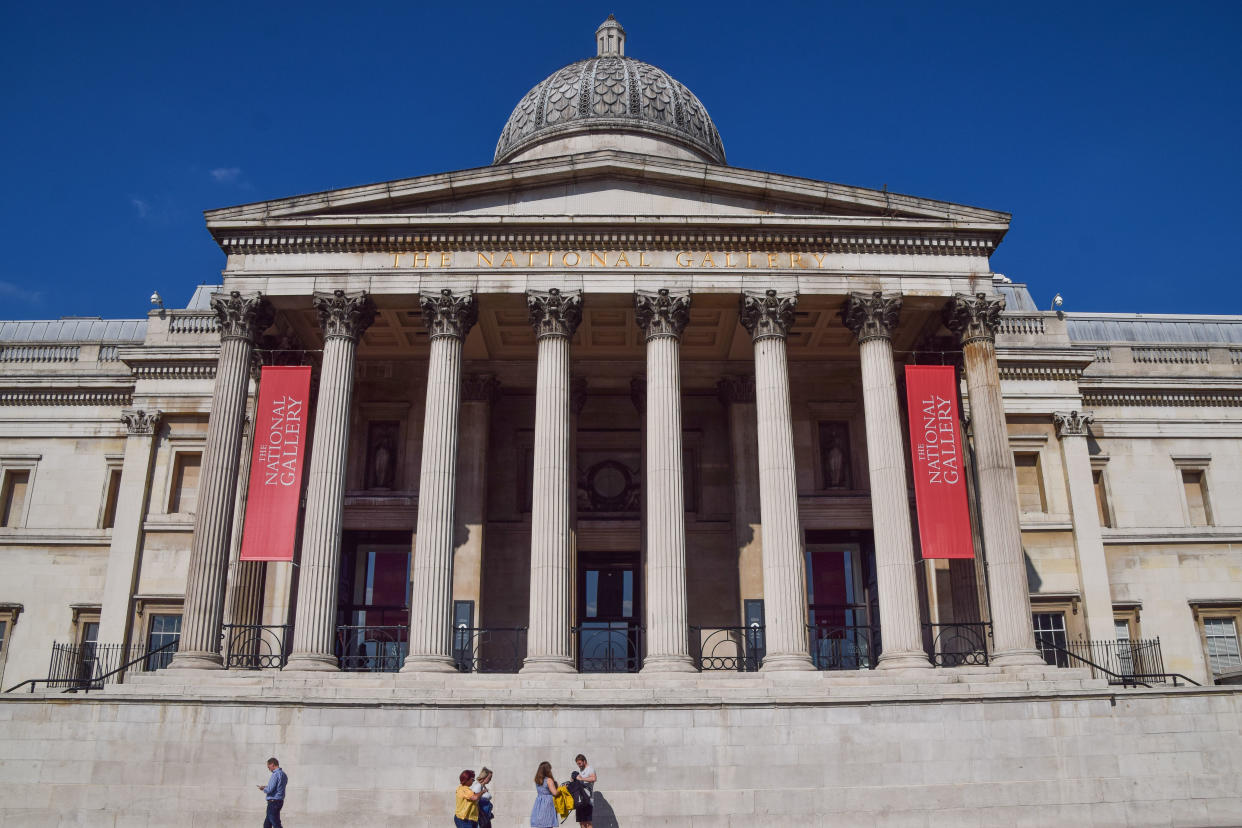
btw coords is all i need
(184, 497)
(1050, 637)
(111, 493)
(13, 497)
(1031, 496)
(1196, 497)
(1101, 498)
(4, 629)
(1125, 649)
(164, 630)
(88, 651)
(1222, 645)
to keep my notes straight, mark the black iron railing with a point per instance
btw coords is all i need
(727, 648)
(489, 649)
(363, 649)
(1124, 662)
(844, 646)
(608, 647)
(955, 645)
(256, 646)
(84, 667)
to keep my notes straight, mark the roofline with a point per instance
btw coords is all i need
(600, 162)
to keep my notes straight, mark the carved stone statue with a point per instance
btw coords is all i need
(835, 460)
(381, 465)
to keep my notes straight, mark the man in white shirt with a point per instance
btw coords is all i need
(586, 775)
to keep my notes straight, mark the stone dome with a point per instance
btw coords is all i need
(610, 96)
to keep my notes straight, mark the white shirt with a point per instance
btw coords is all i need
(477, 787)
(590, 786)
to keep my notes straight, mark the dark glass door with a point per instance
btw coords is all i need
(608, 613)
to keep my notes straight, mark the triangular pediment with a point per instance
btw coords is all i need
(599, 185)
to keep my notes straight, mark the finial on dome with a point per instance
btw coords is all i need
(610, 38)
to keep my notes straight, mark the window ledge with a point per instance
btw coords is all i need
(26, 536)
(1174, 534)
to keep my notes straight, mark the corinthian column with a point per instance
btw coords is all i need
(448, 318)
(974, 319)
(554, 316)
(344, 317)
(242, 318)
(873, 318)
(1088, 539)
(663, 316)
(768, 316)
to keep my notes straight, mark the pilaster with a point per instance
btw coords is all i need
(737, 394)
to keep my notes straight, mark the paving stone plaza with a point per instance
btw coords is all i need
(607, 452)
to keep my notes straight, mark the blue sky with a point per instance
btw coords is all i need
(1110, 130)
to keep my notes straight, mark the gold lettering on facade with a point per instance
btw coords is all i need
(642, 259)
(508, 260)
(684, 259)
(575, 254)
(424, 258)
(486, 259)
(622, 261)
(749, 263)
(819, 258)
(598, 257)
(708, 261)
(772, 259)
(729, 260)
(795, 260)
(623, 258)
(446, 259)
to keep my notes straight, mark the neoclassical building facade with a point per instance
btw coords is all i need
(611, 405)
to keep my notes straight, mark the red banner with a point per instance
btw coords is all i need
(939, 474)
(280, 435)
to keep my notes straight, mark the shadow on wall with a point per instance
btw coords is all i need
(1033, 581)
(605, 816)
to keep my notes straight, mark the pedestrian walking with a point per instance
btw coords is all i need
(543, 812)
(467, 813)
(274, 790)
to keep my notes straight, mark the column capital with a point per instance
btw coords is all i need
(480, 388)
(1072, 423)
(447, 315)
(736, 389)
(554, 312)
(767, 314)
(662, 312)
(140, 421)
(871, 316)
(344, 315)
(974, 317)
(242, 315)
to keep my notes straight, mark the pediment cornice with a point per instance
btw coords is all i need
(393, 207)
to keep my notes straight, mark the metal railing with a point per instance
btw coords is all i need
(955, 645)
(1125, 662)
(489, 649)
(85, 667)
(843, 646)
(363, 649)
(738, 649)
(256, 646)
(608, 647)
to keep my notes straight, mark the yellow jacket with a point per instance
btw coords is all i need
(563, 800)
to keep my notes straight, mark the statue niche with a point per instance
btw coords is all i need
(382, 442)
(834, 452)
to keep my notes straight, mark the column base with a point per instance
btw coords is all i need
(548, 664)
(311, 663)
(667, 664)
(1018, 658)
(429, 664)
(904, 661)
(786, 662)
(196, 660)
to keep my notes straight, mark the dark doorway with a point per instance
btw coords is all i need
(373, 606)
(609, 609)
(841, 606)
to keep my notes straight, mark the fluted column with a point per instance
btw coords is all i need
(448, 319)
(974, 319)
(663, 316)
(872, 318)
(555, 316)
(344, 317)
(1097, 596)
(242, 318)
(768, 316)
(479, 392)
(244, 592)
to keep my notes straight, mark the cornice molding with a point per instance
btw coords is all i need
(175, 371)
(445, 237)
(1151, 397)
(64, 397)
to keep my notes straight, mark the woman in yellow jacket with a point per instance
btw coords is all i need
(467, 813)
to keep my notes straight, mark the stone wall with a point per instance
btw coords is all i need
(871, 757)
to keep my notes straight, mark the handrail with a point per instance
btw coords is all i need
(1174, 676)
(1124, 681)
(100, 679)
(86, 685)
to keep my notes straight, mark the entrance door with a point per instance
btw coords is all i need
(841, 630)
(608, 613)
(373, 616)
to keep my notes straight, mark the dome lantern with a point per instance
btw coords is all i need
(610, 101)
